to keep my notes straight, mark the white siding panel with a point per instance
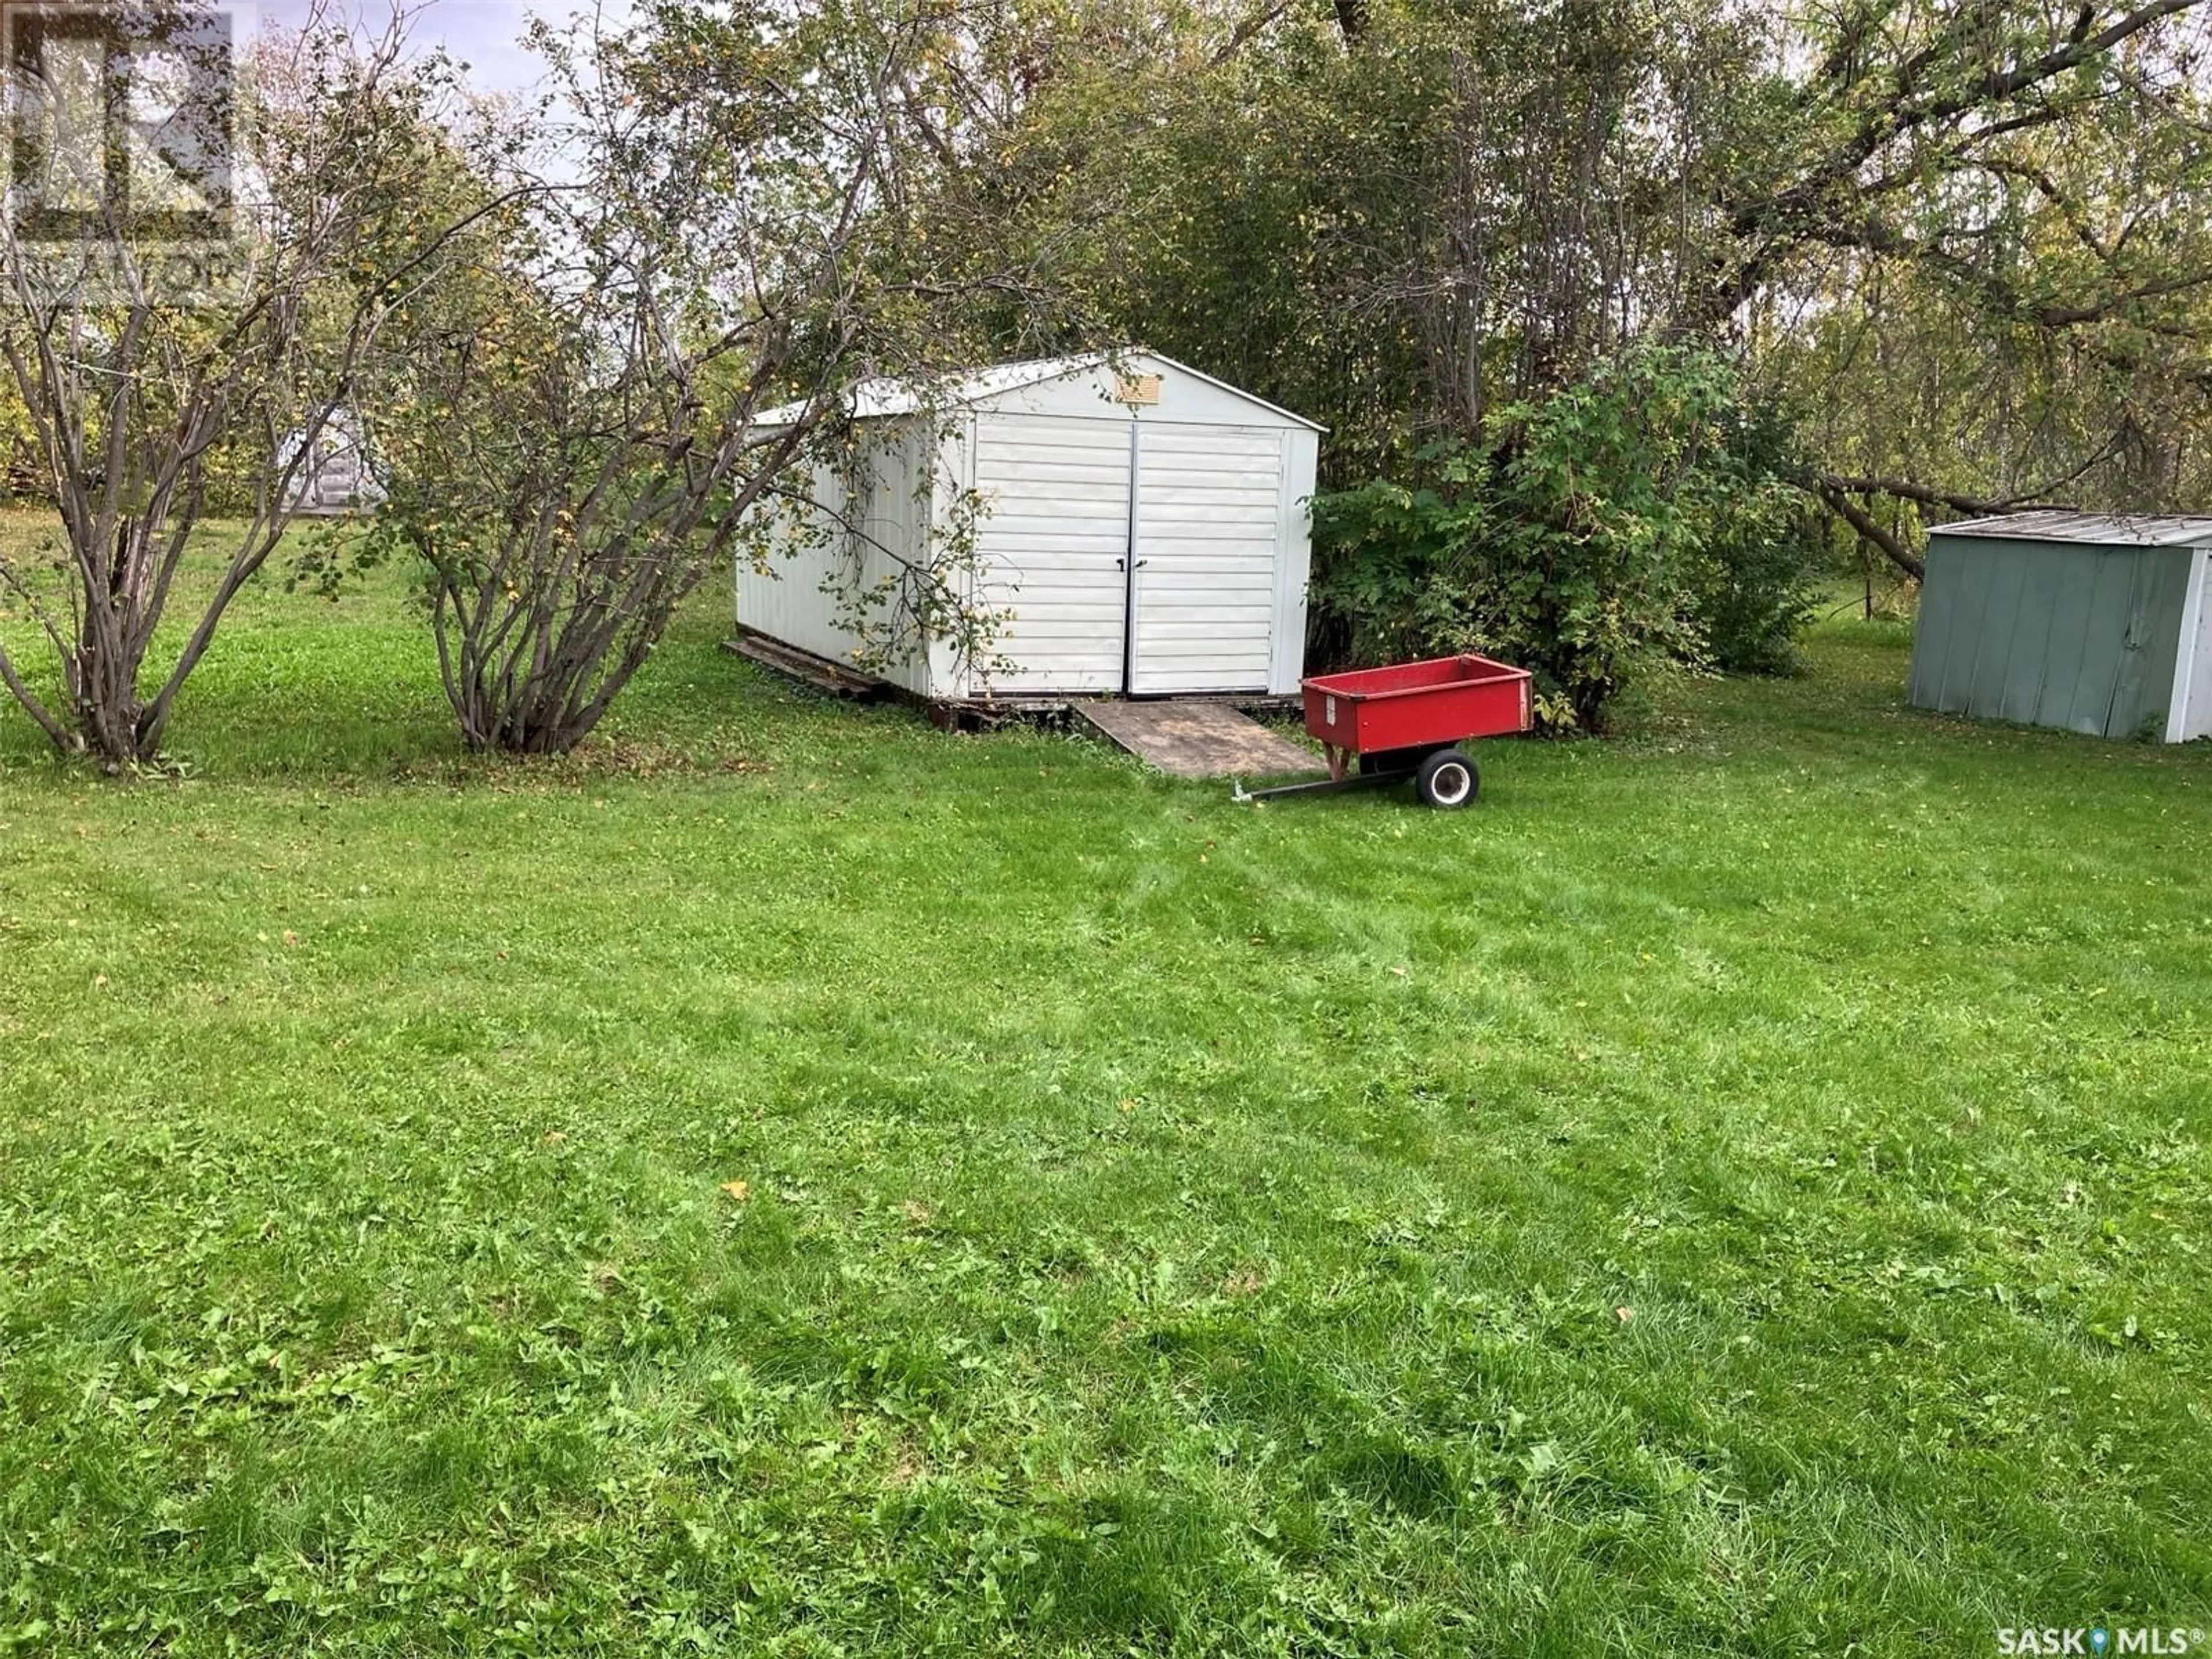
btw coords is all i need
(1219, 473)
(1219, 515)
(782, 601)
(1188, 398)
(1209, 501)
(1240, 588)
(787, 601)
(1301, 449)
(1170, 439)
(2196, 707)
(1053, 542)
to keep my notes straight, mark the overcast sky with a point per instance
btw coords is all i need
(482, 33)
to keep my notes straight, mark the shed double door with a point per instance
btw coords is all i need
(1138, 556)
(1207, 541)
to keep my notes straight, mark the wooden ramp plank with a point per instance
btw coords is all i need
(804, 667)
(1199, 739)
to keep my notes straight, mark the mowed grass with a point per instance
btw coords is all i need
(790, 1181)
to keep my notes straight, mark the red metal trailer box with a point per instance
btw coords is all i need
(1413, 705)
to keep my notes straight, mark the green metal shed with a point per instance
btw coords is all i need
(2090, 622)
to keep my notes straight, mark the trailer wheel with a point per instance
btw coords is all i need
(1448, 780)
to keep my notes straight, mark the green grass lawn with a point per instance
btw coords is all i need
(790, 1181)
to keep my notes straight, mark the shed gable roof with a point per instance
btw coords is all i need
(2057, 525)
(873, 398)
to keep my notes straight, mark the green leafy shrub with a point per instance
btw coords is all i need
(1759, 554)
(1639, 515)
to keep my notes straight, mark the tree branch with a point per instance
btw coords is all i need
(1785, 218)
(1856, 516)
(1246, 32)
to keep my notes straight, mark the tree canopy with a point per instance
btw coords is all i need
(1954, 255)
(1966, 244)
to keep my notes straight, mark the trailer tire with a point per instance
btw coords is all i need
(1448, 780)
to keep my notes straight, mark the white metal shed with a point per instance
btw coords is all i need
(336, 476)
(1144, 530)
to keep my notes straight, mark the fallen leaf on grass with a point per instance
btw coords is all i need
(738, 1189)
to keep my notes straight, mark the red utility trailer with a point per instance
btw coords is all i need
(1407, 720)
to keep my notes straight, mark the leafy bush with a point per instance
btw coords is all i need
(1754, 572)
(1639, 515)
(1753, 595)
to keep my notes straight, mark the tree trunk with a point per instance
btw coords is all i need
(103, 684)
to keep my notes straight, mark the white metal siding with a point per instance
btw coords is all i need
(2196, 654)
(1088, 392)
(1294, 557)
(790, 601)
(896, 526)
(785, 601)
(1052, 539)
(1209, 503)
